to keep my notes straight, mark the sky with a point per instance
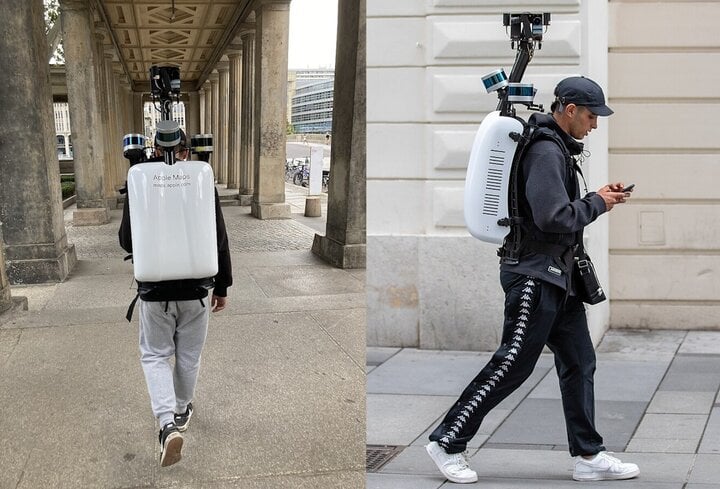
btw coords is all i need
(313, 26)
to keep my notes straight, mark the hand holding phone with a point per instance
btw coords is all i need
(629, 188)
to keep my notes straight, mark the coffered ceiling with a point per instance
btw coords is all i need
(191, 35)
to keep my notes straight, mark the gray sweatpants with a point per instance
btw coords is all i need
(180, 332)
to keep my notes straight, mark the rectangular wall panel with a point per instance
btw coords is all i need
(663, 25)
(460, 94)
(665, 227)
(668, 176)
(396, 42)
(447, 202)
(397, 151)
(673, 76)
(396, 207)
(665, 277)
(676, 126)
(397, 95)
(461, 38)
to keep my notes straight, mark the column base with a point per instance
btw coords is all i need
(339, 255)
(42, 270)
(312, 207)
(91, 217)
(270, 211)
(14, 304)
(245, 199)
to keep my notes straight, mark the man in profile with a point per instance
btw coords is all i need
(542, 304)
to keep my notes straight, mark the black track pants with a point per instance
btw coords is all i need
(536, 314)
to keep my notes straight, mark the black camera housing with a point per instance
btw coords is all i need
(164, 81)
(526, 26)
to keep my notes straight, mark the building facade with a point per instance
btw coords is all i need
(312, 107)
(310, 100)
(62, 130)
(429, 283)
(151, 116)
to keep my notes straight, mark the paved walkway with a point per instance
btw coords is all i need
(656, 403)
(280, 399)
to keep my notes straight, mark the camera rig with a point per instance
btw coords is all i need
(165, 88)
(491, 204)
(165, 91)
(526, 30)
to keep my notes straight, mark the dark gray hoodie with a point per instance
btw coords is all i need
(550, 202)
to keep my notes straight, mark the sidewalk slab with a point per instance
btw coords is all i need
(399, 419)
(377, 355)
(701, 342)
(697, 373)
(711, 438)
(424, 372)
(395, 481)
(541, 422)
(499, 483)
(678, 402)
(641, 344)
(706, 470)
(608, 387)
(673, 426)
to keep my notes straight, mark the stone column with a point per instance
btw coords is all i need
(192, 115)
(203, 109)
(123, 105)
(207, 116)
(31, 213)
(127, 125)
(113, 147)
(103, 90)
(271, 61)
(215, 113)
(138, 115)
(344, 242)
(83, 64)
(235, 108)
(7, 301)
(222, 136)
(127, 106)
(247, 123)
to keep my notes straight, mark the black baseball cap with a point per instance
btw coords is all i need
(582, 91)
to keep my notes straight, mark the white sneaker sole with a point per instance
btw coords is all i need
(450, 477)
(605, 477)
(173, 450)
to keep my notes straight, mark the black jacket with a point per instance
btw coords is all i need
(191, 288)
(550, 201)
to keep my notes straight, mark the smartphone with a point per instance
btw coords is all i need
(629, 188)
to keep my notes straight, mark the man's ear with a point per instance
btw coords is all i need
(571, 109)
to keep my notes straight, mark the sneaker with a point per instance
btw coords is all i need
(183, 420)
(171, 442)
(603, 467)
(454, 466)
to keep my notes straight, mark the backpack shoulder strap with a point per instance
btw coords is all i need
(509, 253)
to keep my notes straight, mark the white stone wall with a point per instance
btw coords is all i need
(429, 283)
(664, 65)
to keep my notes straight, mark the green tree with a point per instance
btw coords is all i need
(52, 16)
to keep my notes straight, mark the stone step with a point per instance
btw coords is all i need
(228, 201)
